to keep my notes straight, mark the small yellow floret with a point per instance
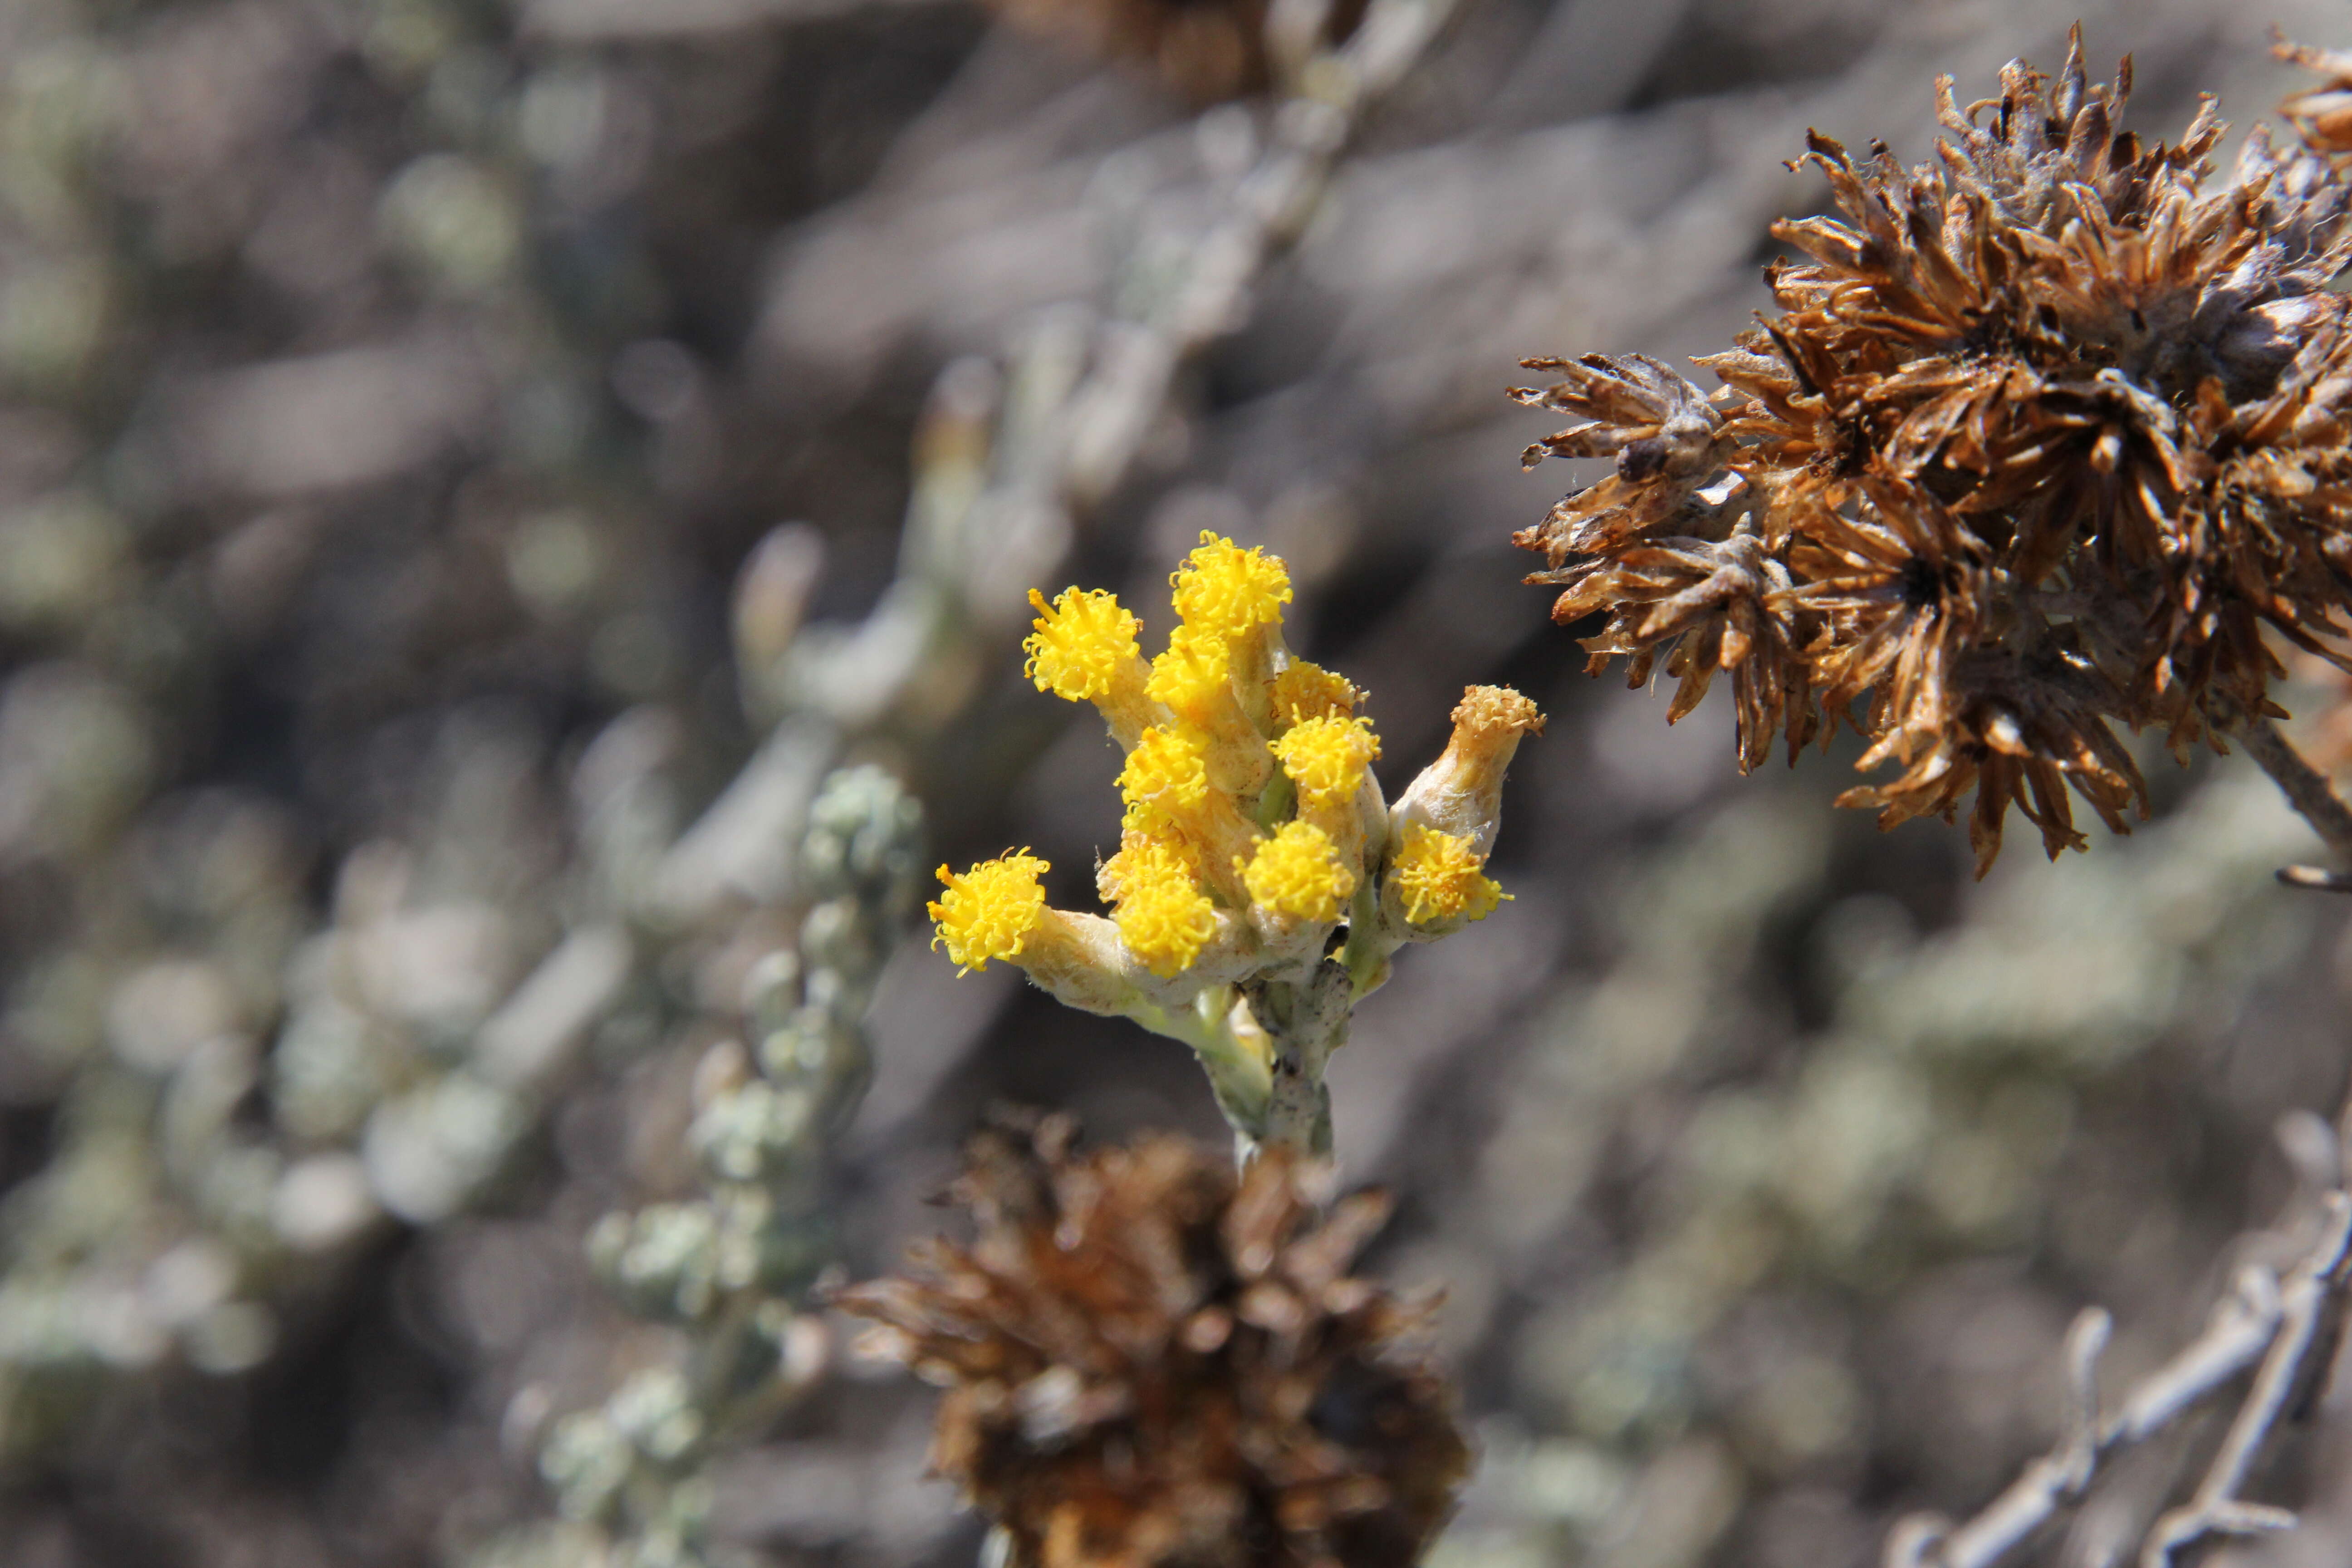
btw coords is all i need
(1139, 844)
(1163, 917)
(1298, 873)
(1193, 673)
(989, 910)
(1497, 710)
(1165, 771)
(1440, 876)
(1226, 589)
(1307, 691)
(1326, 758)
(1082, 641)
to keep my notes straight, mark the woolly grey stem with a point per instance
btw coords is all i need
(1306, 1021)
(2310, 793)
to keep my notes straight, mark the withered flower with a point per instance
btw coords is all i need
(1150, 1361)
(2043, 437)
(2323, 114)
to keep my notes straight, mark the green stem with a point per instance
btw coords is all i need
(1367, 951)
(1236, 1066)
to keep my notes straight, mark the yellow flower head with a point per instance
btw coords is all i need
(1441, 876)
(1226, 591)
(1166, 772)
(1163, 917)
(1307, 691)
(1298, 873)
(1326, 758)
(989, 910)
(1082, 641)
(1193, 673)
(1497, 712)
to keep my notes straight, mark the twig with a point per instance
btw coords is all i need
(2288, 1327)
(2304, 1302)
(2310, 793)
(2060, 1476)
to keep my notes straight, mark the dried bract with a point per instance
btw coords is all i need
(2044, 435)
(1150, 1361)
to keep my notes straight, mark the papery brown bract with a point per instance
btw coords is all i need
(2046, 437)
(2323, 114)
(1150, 1361)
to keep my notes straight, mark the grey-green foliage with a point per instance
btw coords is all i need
(246, 1090)
(732, 1265)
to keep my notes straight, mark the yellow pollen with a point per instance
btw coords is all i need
(1163, 917)
(1082, 641)
(1226, 589)
(1441, 876)
(1298, 873)
(1326, 758)
(1166, 772)
(1193, 673)
(989, 910)
(1307, 691)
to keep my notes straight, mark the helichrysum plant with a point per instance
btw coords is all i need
(1262, 880)
(2043, 437)
(1154, 1361)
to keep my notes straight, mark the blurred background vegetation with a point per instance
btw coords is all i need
(463, 465)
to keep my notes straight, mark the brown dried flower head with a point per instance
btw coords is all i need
(1152, 1362)
(1204, 50)
(2042, 437)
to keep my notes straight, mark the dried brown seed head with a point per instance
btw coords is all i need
(1152, 1361)
(2044, 436)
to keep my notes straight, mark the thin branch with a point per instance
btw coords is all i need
(2310, 793)
(2305, 1301)
(2287, 1329)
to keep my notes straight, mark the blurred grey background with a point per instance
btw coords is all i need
(405, 405)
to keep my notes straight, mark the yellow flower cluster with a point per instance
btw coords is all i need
(1441, 876)
(1253, 825)
(1299, 873)
(1163, 917)
(989, 910)
(1193, 677)
(1166, 775)
(1082, 645)
(1229, 591)
(1307, 691)
(1326, 758)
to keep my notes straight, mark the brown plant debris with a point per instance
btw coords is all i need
(2045, 435)
(1150, 1361)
